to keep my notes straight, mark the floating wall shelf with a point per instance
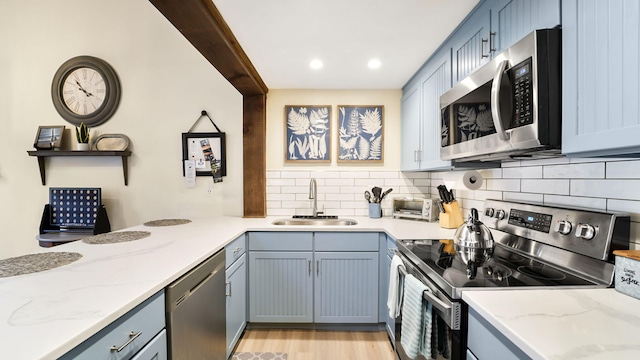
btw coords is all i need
(43, 154)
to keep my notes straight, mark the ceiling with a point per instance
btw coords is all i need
(281, 38)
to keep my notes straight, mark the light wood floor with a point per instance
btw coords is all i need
(319, 344)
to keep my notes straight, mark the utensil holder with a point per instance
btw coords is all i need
(451, 218)
(375, 211)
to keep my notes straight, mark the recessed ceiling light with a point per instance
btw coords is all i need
(316, 64)
(374, 64)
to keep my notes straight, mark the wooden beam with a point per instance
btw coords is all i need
(255, 167)
(203, 26)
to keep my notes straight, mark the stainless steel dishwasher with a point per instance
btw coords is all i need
(196, 312)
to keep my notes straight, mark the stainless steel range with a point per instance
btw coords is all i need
(536, 246)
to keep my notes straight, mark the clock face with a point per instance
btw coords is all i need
(83, 91)
(86, 90)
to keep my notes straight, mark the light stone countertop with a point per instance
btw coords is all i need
(43, 315)
(558, 324)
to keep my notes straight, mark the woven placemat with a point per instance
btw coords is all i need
(33, 263)
(167, 222)
(116, 237)
(259, 356)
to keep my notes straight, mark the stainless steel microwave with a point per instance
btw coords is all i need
(510, 108)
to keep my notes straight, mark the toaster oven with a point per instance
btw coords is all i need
(416, 208)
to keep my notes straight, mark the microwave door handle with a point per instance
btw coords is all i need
(495, 101)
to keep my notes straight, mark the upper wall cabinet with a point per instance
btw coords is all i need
(494, 26)
(600, 78)
(420, 126)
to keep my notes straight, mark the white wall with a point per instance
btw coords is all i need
(165, 85)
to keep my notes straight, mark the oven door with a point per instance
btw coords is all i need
(448, 340)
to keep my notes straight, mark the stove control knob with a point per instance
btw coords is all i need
(585, 231)
(563, 227)
(489, 212)
(500, 214)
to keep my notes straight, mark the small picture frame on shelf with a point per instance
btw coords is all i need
(208, 150)
(49, 137)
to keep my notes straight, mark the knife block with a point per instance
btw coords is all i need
(451, 218)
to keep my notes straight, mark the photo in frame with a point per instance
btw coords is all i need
(361, 130)
(208, 150)
(48, 137)
(307, 133)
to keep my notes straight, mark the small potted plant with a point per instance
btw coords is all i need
(82, 134)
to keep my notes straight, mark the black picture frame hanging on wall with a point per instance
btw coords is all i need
(208, 150)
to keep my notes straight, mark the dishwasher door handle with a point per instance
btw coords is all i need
(227, 286)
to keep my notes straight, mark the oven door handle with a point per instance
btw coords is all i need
(437, 303)
(495, 101)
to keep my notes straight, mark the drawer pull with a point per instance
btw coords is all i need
(227, 286)
(132, 336)
(237, 250)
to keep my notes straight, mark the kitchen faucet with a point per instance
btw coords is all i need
(313, 194)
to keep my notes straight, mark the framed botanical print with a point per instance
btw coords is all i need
(208, 150)
(361, 133)
(307, 133)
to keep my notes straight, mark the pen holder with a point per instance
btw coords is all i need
(451, 218)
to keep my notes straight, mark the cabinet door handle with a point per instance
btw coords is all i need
(132, 336)
(417, 155)
(309, 267)
(492, 43)
(318, 267)
(482, 42)
(227, 288)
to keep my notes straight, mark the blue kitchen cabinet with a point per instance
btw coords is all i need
(600, 87)
(236, 291)
(485, 342)
(280, 277)
(420, 118)
(511, 20)
(494, 26)
(346, 277)
(411, 148)
(470, 43)
(387, 250)
(140, 332)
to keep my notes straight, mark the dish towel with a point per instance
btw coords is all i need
(396, 288)
(416, 319)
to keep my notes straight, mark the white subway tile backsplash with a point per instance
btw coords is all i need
(545, 186)
(531, 172)
(612, 189)
(294, 174)
(560, 181)
(281, 182)
(339, 182)
(623, 170)
(278, 196)
(503, 184)
(575, 171)
(625, 206)
(524, 197)
(576, 201)
(354, 174)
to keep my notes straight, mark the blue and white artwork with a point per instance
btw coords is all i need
(308, 133)
(361, 133)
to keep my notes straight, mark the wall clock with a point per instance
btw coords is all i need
(85, 89)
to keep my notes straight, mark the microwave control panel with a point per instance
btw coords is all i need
(523, 94)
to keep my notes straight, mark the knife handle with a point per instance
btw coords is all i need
(440, 206)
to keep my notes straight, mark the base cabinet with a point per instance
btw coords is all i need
(307, 277)
(133, 334)
(485, 342)
(236, 293)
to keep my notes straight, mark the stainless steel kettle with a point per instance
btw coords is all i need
(474, 243)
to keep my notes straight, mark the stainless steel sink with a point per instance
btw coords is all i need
(325, 222)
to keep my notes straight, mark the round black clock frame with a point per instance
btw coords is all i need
(112, 91)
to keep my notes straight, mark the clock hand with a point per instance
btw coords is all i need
(83, 90)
